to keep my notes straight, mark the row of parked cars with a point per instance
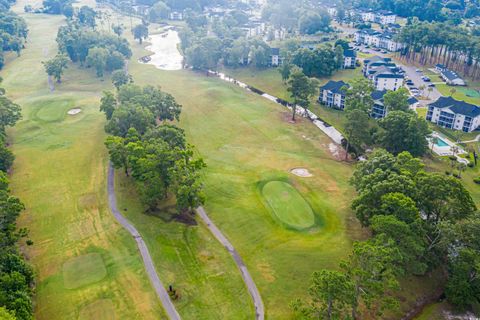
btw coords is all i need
(413, 89)
(358, 47)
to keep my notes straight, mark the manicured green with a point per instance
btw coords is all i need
(288, 205)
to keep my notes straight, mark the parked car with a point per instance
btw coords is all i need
(384, 51)
(418, 70)
(426, 79)
(376, 49)
(431, 85)
(409, 82)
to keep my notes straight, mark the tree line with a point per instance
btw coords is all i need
(421, 222)
(429, 43)
(13, 31)
(150, 149)
(16, 276)
(79, 42)
(297, 16)
(432, 10)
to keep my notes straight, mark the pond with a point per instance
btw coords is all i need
(165, 50)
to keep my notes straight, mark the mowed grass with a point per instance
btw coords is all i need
(270, 80)
(81, 256)
(83, 270)
(244, 140)
(190, 259)
(288, 205)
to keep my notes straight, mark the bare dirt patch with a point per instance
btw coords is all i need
(301, 172)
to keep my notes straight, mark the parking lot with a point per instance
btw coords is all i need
(410, 73)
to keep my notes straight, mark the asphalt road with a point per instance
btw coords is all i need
(247, 278)
(142, 247)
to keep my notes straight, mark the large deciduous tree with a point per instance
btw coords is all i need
(56, 66)
(301, 89)
(404, 131)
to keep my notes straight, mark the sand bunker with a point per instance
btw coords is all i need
(301, 172)
(75, 111)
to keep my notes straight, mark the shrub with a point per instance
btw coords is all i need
(471, 164)
(447, 172)
(476, 180)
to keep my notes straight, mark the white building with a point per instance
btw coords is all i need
(452, 78)
(382, 40)
(453, 114)
(274, 57)
(387, 81)
(176, 16)
(332, 94)
(349, 59)
(384, 74)
(382, 17)
(385, 17)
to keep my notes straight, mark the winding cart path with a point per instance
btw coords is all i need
(147, 259)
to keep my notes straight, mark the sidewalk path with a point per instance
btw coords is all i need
(329, 130)
(147, 259)
(247, 278)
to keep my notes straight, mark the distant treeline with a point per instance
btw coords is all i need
(429, 10)
(456, 47)
(13, 30)
(179, 5)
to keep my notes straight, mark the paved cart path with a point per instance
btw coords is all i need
(147, 259)
(247, 278)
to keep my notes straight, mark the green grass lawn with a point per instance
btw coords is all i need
(85, 262)
(245, 140)
(190, 258)
(80, 254)
(270, 81)
(287, 205)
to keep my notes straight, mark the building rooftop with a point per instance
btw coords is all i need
(335, 86)
(350, 53)
(450, 75)
(456, 106)
(275, 51)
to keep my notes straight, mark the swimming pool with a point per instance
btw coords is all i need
(441, 143)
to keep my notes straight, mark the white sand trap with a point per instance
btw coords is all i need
(301, 172)
(75, 111)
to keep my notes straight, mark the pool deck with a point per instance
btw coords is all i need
(446, 150)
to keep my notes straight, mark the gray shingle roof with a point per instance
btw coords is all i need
(334, 86)
(456, 106)
(450, 75)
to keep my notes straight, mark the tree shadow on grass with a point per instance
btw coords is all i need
(169, 213)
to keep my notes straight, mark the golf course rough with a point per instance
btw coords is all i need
(288, 205)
